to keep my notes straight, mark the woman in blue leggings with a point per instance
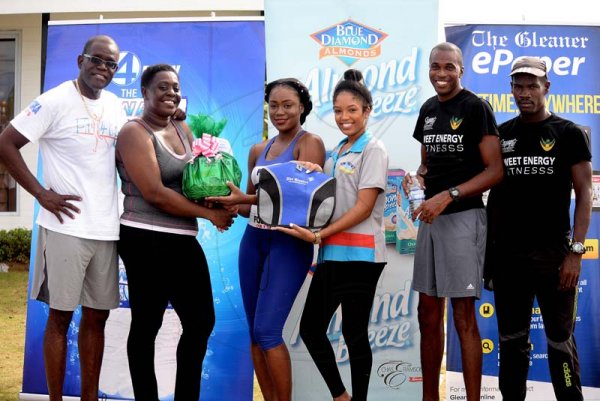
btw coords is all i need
(273, 265)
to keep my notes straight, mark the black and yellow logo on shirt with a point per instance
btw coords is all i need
(455, 122)
(547, 144)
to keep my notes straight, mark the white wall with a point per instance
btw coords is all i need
(30, 29)
(533, 12)
(55, 6)
(576, 12)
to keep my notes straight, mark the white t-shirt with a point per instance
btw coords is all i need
(78, 156)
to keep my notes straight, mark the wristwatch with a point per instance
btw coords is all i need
(577, 247)
(454, 194)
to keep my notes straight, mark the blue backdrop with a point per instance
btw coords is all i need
(572, 55)
(221, 65)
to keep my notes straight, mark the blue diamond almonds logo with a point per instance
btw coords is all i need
(349, 41)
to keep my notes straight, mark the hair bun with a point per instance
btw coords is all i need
(353, 75)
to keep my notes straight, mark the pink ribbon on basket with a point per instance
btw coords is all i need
(207, 146)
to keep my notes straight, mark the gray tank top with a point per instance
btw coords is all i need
(139, 213)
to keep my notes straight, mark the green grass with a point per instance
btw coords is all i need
(13, 301)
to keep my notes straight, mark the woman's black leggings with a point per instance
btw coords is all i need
(351, 285)
(165, 268)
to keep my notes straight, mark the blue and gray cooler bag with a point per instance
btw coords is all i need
(288, 194)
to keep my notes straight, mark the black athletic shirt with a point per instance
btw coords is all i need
(532, 203)
(451, 132)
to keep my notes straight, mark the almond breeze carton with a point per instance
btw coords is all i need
(390, 211)
(406, 229)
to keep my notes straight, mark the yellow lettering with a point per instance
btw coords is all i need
(559, 104)
(574, 104)
(500, 102)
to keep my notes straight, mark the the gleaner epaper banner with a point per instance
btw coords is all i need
(572, 56)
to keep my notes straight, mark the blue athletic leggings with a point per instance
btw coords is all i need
(272, 267)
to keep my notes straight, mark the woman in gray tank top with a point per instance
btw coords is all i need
(158, 233)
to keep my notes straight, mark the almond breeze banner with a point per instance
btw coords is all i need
(208, 57)
(389, 41)
(572, 55)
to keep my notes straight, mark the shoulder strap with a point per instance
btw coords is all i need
(183, 137)
(143, 124)
(290, 148)
(295, 140)
(149, 130)
(263, 154)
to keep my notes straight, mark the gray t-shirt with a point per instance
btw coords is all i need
(362, 166)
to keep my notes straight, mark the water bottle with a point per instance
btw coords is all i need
(416, 195)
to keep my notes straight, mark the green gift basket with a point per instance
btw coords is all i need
(212, 167)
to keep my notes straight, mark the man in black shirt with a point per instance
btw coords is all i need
(460, 159)
(532, 251)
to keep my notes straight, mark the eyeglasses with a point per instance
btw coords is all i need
(98, 61)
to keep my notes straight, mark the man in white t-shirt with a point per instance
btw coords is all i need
(76, 125)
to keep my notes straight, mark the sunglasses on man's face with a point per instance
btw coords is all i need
(98, 61)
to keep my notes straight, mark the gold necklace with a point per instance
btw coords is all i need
(95, 119)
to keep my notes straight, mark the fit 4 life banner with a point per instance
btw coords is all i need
(208, 56)
(572, 56)
(389, 41)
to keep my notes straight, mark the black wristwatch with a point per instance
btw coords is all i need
(577, 247)
(454, 194)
